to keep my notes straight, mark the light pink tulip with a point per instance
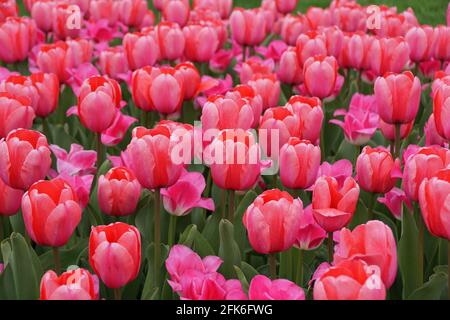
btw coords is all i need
(373, 243)
(262, 288)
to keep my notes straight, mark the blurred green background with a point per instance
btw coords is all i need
(427, 11)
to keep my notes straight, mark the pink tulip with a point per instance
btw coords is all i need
(108, 10)
(249, 95)
(272, 221)
(354, 51)
(334, 40)
(77, 162)
(442, 46)
(118, 192)
(75, 284)
(47, 89)
(299, 163)
(201, 42)
(398, 97)
(194, 278)
(132, 12)
(15, 112)
(421, 42)
(9, 199)
(286, 6)
(21, 86)
(309, 45)
(234, 159)
(433, 200)
(51, 212)
(176, 11)
(334, 204)
(18, 36)
(148, 83)
(180, 198)
(60, 17)
(373, 243)
(268, 87)
(98, 95)
(170, 39)
(290, 70)
(441, 108)
(432, 137)
(280, 121)
(248, 26)
(310, 114)
(118, 129)
(115, 253)
(191, 79)
(320, 74)
(388, 55)
(349, 280)
(339, 170)
(113, 62)
(42, 14)
(24, 158)
(394, 200)
(141, 49)
(150, 157)
(423, 164)
(226, 112)
(376, 170)
(292, 27)
(223, 7)
(262, 288)
(254, 67)
(360, 122)
(350, 16)
(309, 235)
(273, 51)
(8, 8)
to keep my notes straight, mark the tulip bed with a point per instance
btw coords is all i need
(175, 149)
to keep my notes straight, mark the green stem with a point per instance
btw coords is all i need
(117, 294)
(330, 247)
(157, 240)
(2, 230)
(420, 248)
(275, 181)
(231, 194)
(223, 204)
(397, 140)
(322, 133)
(172, 229)
(273, 266)
(299, 278)
(46, 129)
(100, 152)
(372, 199)
(57, 260)
(147, 118)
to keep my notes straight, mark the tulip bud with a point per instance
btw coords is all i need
(272, 221)
(24, 158)
(51, 212)
(115, 253)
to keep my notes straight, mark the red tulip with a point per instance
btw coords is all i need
(15, 112)
(12, 30)
(98, 95)
(376, 170)
(24, 158)
(118, 192)
(150, 157)
(115, 253)
(320, 74)
(373, 243)
(433, 199)
(334, 204)
(349, 280)
(201, 42)
(299, 163)
(234, 160)
(398, 97)
(423, 164)
(75, 284)
(141, 49)
(272, 221)
(170, 39)
(51, 212)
